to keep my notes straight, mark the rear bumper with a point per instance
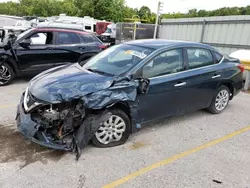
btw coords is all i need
(238, 84)
(30, 130)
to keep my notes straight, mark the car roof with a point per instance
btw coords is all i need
(163, 43)
(62, 30)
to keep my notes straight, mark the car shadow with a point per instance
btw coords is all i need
(23, 79)
(170, 121)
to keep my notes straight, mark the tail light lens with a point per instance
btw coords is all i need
(103, 47)
(241, 67)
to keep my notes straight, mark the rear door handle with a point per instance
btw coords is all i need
(180, 84)
(216, 76)
(49, 48)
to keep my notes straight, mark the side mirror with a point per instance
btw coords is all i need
(144, 84)
(25, 43)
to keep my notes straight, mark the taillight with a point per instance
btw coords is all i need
(241, 67)
(103, 47)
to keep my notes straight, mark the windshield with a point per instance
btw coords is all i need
(23, 34)
(108, 30)
(118, 59)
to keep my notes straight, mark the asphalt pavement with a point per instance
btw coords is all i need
(194, 150)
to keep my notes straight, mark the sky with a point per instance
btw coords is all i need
(184, 5)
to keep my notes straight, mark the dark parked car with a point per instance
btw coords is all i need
(38, 49)
(122, 88)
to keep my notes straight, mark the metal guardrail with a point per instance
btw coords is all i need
(206, 22)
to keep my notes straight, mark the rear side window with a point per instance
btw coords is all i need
(218, 57)
(90, 39)
(68, 38)
(1, 33)
(199, 58)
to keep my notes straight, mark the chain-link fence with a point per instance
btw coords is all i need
(129, 31)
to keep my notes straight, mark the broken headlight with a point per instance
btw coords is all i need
(29, 102)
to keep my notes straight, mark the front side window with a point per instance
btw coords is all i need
(67, 38)
(166, 63)
(87, 27)
(41, 38)
(199, 58)
(118, 59)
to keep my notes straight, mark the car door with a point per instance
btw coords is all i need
(69, 47)
(39, 56)
(167, 94)
(203, 78)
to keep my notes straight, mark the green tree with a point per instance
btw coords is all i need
(145, 13)
(202, 13)
(111, 10)
(192, 13)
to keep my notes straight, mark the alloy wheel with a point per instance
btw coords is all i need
(111, 130)
(5, 74)
(221, 100)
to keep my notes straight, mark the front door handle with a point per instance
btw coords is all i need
(81, 48)
(49, 48)
(216, 76)
(180, 84)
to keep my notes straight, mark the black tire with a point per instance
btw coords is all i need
(125, 134)
(11, 74)
(212, 108)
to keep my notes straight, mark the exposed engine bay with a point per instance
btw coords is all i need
(59, 121)
(68, 124)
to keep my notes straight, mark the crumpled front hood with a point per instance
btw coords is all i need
(67, 82)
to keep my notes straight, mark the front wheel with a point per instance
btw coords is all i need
(113, 132)
(6, 74)
(220, 101)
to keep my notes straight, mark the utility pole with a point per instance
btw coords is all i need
(159, 10)
(134, 33)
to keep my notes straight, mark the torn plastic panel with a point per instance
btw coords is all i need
(88, 129)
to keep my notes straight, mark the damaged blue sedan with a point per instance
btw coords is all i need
(112, 94)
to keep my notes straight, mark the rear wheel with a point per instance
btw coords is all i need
(220, 101)
(113, 132)
(6, 74)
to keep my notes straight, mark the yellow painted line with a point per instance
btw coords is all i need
(174, 158)
(8, 106)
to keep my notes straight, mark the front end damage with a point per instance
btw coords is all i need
(64, 126)
(71, 123)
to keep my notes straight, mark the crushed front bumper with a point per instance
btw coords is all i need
(30, 130)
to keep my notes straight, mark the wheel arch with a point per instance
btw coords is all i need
(13, 64)
(229, 85)
(124, 106)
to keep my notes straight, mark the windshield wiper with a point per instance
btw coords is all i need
(96, 71)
